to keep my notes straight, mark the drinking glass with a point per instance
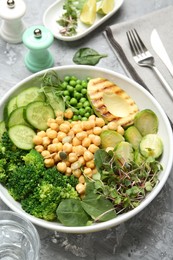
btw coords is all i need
(19, 239)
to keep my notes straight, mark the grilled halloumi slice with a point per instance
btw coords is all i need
(111, 102)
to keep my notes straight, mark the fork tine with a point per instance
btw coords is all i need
(141, 44)
(136, 44)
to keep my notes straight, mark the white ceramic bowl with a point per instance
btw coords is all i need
(143, 99)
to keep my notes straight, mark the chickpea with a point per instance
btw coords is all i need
(76, 141)
(50, 120)
(80, 187)
(49, 162)
(64, 128)
(77, 128)
(41, 134)
(37, 140)
(93, 148)
(72, 157)
(54, 126)
(112, 125)
(92, 117)
(82, 179)
(68, 171)
(79, 150)
(45, 154)
(59, 114)
(81, 160)
(67, 147)
(87, 172)
(39, 148)
(56, 158)
(52, 134)
(96, 140)
(62, 167)
(55, 140)
(81, 135)
(87, 125)
(90, 164)
(46, 141)
(71, 133)
(97, 130)
(77, 173)
(68, 113)
(120, 130)
(105, 127)
(99, 122)
(59, 146)
(52, 148)
(59, 120)
(86, 142)
(88, 155)
(89, 132)
(61, 135)
(75, 165)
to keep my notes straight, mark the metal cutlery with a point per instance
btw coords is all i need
(144, 58)
(158, 47)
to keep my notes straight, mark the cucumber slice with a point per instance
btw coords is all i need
(37, 114)
(22, 136)
(30, 95)
(11, 105)
(2, 128)
(16, 118)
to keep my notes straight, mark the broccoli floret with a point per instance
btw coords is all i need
(23, 181)
(46, 198)
(34, 158)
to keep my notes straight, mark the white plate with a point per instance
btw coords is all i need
(54, 12)
(142, 98)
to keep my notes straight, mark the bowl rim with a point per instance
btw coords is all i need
(121, 218)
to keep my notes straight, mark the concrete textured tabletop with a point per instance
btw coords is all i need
(147, 236)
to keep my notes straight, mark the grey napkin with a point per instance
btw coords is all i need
(161, 20)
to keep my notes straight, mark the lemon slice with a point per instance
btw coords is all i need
(106, 6)
(88, 12)
(116, 105)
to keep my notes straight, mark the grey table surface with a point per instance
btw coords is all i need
(149, 235)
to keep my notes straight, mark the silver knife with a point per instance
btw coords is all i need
(158, 47)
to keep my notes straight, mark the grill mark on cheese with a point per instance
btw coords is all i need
(100, 85)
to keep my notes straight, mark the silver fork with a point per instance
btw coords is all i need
(144, 58)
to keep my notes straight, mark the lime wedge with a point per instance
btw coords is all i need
(88, 12)
(105, 6)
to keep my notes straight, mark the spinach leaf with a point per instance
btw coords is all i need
(87, 56)
(98, 207)
(71, 213)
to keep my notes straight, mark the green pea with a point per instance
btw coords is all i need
(87, 114)
(72, 82)
(64, 85)
(66, 93)
(73, 101)
(75, 118)
(70, 89)
(84, 84)
(84, 91)
(79, 105)
(78, 87)
(67, 98)
(88, 109)
(81, 111)
(83, 99)
(84, 118)
(86, 103)
(77, 95)
(67, 78)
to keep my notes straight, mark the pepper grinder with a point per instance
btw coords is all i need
(38, 39)
(11, 12)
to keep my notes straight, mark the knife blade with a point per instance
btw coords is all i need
(160, 50)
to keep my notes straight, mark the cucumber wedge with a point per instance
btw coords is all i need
(37, 114)
(16, 118)
(30, 95)
(22, 136)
